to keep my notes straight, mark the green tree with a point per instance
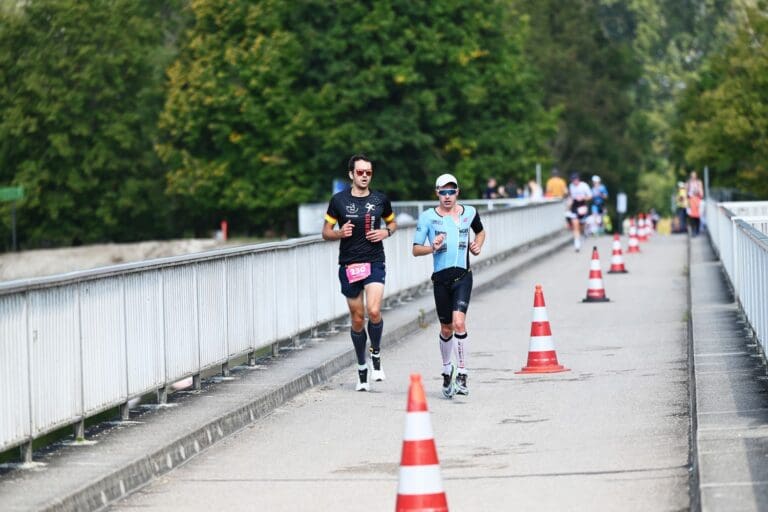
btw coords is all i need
(724, 115)
(270, 98)
(656, 190)
(81, 87)
(590, 74)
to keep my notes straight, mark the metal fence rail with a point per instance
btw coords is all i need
(739, 234)
(311, 214)
(76, 344)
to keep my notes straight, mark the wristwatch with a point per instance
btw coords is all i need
(389, 232)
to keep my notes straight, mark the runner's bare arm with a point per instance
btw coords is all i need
(331, 234)
(477, 243)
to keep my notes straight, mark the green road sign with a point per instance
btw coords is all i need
(11, 193)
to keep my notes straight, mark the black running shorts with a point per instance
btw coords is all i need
(353, 290)
(452, 293)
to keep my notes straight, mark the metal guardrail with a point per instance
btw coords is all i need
(739, 234)
(311, 215)
(76, 344)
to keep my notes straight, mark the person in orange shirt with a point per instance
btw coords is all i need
(694, 214)
(556, 186)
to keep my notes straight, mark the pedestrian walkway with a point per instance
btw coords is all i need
(611, 434)
(732, 395)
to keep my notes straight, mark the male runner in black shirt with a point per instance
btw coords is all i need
(359, 211)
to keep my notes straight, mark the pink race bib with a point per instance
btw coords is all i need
(358, 271)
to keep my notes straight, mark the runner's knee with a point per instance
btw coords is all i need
(374, 314)
(357, 319)
(459, 326)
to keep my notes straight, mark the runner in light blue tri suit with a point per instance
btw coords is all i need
(454, 250)
(447, 227)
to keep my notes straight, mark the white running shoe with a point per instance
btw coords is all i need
(362, 381)
(378, 373)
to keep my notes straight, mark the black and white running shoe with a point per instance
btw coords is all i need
(449, 383)
(461, 384)
(378, 373)
(362, 381)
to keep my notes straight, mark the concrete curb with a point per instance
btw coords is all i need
(694, 484)
(104, 491)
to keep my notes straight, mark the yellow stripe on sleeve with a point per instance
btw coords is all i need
(390, 218)
(330, 220)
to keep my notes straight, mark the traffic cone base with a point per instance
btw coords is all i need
(542, 357)
(543, 362)
(622, 271)
(595, 299)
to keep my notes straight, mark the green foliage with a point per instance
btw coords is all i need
(270, 98)
(121, 124)
(80, 89)
(655, 190)
(724, 115)
(590, 74)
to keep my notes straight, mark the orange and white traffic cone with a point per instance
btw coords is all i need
(642, 229)
(595, 292)
(649, 230)
(420, 487)
(542, 357)
(634, 245)
(617, 260)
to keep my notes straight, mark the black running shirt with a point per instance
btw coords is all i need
(366, 213)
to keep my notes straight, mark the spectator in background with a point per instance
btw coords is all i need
(654, 215)
(490, 189)
(511, 187)
(534, 191)
(681, 205)
(695, 189)
(694, 186)
(694, 214)
(556, 186)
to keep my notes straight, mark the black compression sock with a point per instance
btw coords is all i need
(359, 340)
(374, 331)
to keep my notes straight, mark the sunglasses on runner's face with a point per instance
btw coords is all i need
(364, 172)
(447, 192)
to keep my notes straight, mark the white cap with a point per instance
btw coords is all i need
(595, 178)
(445, 179)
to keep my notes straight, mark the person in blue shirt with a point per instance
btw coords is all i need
(446, 227)
(599, 194)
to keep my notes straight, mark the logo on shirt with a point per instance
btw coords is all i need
(369, 207)
(352, 208)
